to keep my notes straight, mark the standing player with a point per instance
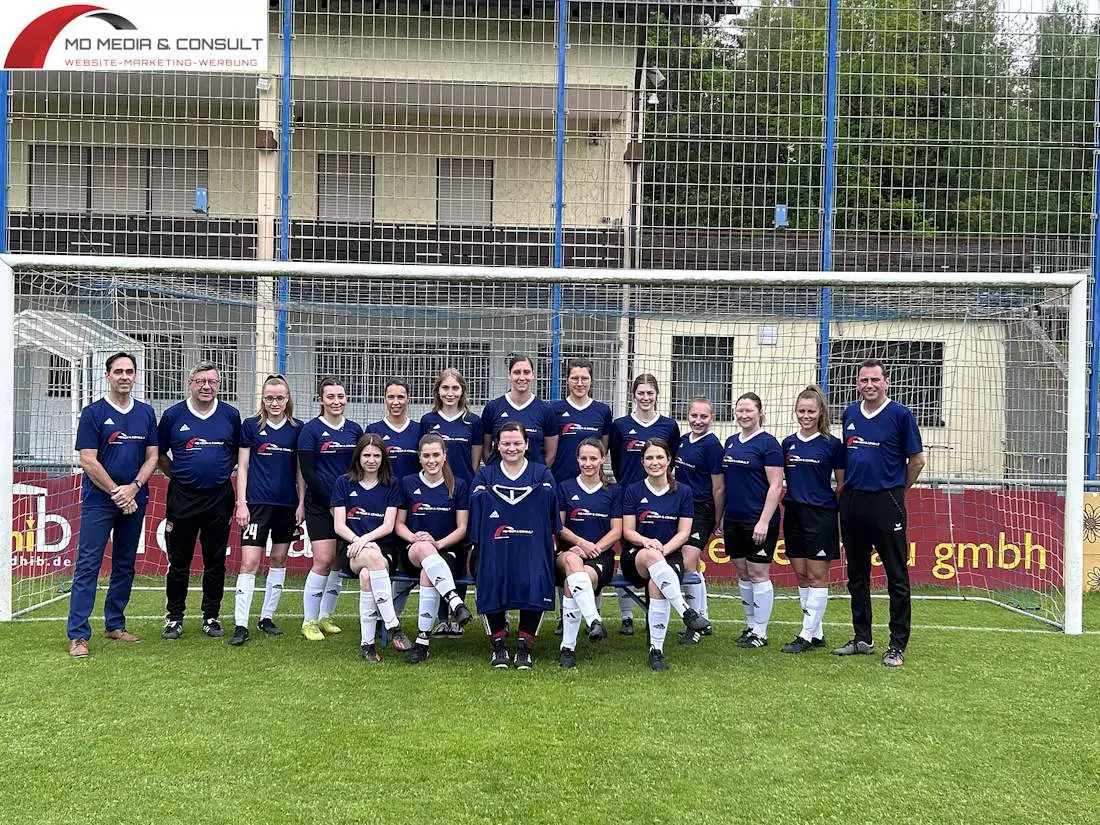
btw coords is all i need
(364, 513)
(591, 510)
(450, 418)
(753, 466)
(628, 435)
(400, 433)
(656, 523)
(812, 458)
(203, 435)
(883, 459)
(117, 443)
(513, 523)
(324, 453)
(270, 502)
(699, 466)
(432, 519)
(521, 404)
(580, 417)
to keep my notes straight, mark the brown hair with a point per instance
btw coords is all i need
(448, 476)
(871, 363)
(329, 381)
(814, 393)
(385, 471)
(463, 403)
(662, 444)
(755, 399)
(605, 479)
(644, 378)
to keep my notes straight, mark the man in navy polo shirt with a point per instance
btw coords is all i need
(203, 435)
(117, 442)
(884, 456)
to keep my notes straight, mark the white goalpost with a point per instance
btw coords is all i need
(993, 365)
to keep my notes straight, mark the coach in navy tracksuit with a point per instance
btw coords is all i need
(883, 458)
(117, 442)
(203, 435)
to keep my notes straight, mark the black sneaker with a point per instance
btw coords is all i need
(690, 637)
(627, 627)
(753, 641)
(462, 617)
(893, 657)
(212, 628)
(239, 637)
(567, 658)
(370, 654)
(695, 620)
(797, 645)
(398, 639)
(818, 642)
(418, 654)
(172, 630)
(657, 660)
(739, 641)
(596, 631)
(708, 631)
(269, 627)
(500, 658)
(523, 660)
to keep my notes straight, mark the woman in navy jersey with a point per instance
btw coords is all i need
(521, 404)
(451, 419)
(813, 459)
(592, 522)
(699, 466)
(628, 435)
(514, 520)
(579, 418)
(399, 433)
(270, 501)
(432, 519)
(753, 467)
(460, 429)
(364, 511)
(656, 523)
(324, 453)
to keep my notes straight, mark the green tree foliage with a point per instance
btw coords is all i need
(952, 116)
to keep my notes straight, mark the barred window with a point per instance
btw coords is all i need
(465, 192)
(915, 370)
(702, 365)
(163, 373)
(222, 350)
(345, 188)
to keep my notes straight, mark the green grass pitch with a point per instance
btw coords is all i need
(993, 719)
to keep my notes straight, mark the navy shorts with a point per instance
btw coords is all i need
(810, 532)
(739, 544)
(630, 571)
(269, 520)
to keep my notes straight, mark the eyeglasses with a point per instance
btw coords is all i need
(205, 382)
(274, 399)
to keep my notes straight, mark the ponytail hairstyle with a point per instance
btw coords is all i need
(755, 399)
(448, 476)
(644, 378)
(814, 393)
(662, 444)
(605, 479)
(276, 379)
(329, 381)
(385, 471)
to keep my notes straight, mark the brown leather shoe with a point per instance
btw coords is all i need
(121, 634)
(78, 648)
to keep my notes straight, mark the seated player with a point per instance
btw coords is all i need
(513, 523)
(656, 523)
(592, 522)
(364, 512)
(432, 518)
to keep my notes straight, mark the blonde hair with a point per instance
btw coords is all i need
(448, 476)
(814, 393)
(288, 410)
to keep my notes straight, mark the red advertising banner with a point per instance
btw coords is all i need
(980, 538)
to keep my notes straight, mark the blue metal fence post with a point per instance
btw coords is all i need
(284, 184)
(4, 78)
(828, 186)
(559, 199)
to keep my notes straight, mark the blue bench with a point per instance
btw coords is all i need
(618, 582)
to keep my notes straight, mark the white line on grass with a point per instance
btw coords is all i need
(947, 627)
